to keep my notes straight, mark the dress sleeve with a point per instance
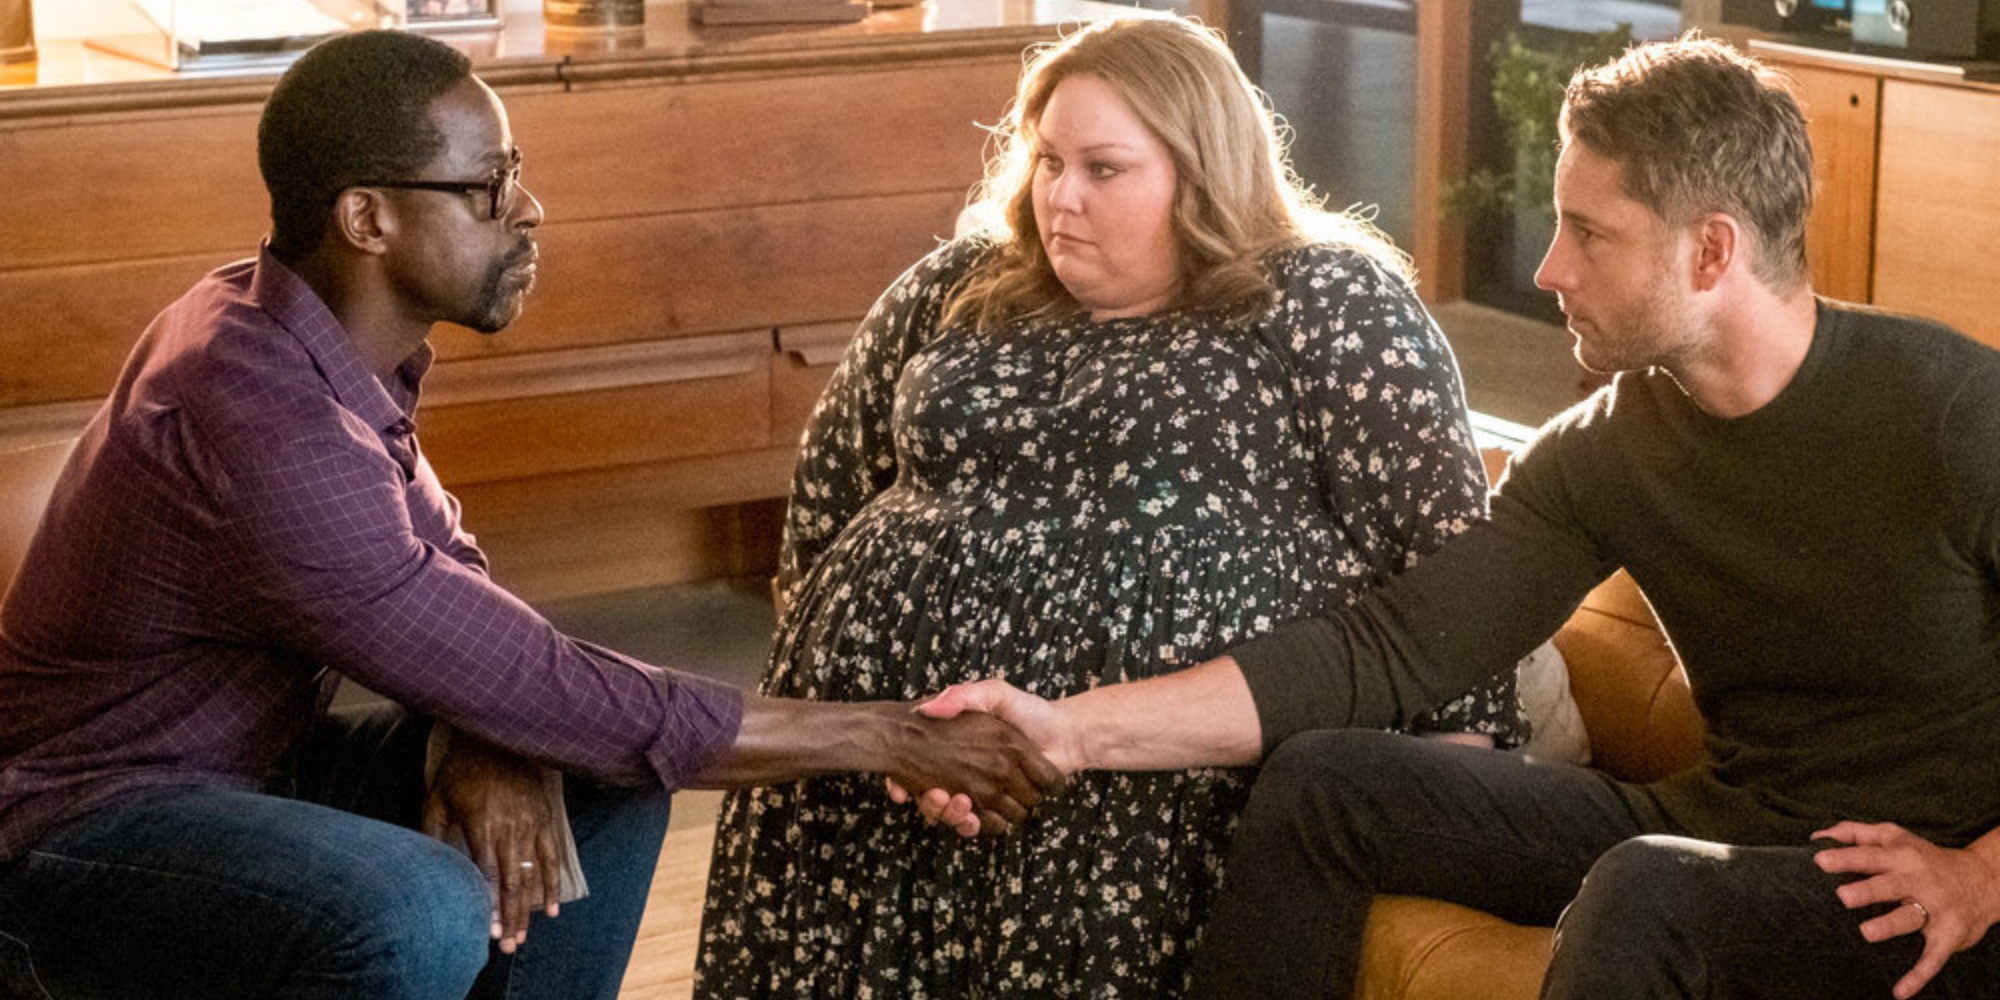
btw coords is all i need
(1386, 408)
(848, 452)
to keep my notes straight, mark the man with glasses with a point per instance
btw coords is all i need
(247, 519)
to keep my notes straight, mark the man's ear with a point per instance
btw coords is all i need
(363, 219)
(1719, 245)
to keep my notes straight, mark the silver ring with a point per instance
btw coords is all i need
(1921, 911)
(527, 864)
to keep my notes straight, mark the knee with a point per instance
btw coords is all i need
(1651, 887)
(1315, 759)
(1322, 783)
(1340, 768)
(626, 820)
(419, 919)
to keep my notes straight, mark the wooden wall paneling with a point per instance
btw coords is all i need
(682, 146)
(807, 357)
(27, 477)
(594, 369)
(521, 437)
(1841, 119)
(65, 331)
(1937, 210)
(616, 529)
(600, 494)
(716, 222)
(549, 559)
(28, 426)
(118, 187)
(651, 277)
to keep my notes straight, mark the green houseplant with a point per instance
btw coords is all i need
(1531, 66)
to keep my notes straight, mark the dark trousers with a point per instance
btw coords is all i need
(1339, 816)
(320, 892)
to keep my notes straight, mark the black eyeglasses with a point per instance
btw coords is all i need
(499, 187)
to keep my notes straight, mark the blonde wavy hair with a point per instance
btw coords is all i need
(1237, 199)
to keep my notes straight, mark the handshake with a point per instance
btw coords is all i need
(1030, 748)
(1203, 716)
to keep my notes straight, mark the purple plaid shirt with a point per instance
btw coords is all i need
(249, 516)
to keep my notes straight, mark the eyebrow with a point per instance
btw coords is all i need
(1582, 218)
(497, 159)
(1096, 147)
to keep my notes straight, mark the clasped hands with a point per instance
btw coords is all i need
(1043, 723)
(496, 803)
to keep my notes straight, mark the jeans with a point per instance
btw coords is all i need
(323, 892)
(1336, 817)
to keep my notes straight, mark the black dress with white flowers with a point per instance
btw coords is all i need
(1068, 503)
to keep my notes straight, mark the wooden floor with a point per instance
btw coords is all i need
(663, 959)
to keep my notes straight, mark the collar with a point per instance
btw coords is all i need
(385, 406)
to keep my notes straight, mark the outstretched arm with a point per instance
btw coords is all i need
(977, 755)
(1199, 717)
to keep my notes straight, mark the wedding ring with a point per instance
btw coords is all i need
(527, 864)
(1921, 911)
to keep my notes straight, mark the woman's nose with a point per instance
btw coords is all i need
(1065, 193)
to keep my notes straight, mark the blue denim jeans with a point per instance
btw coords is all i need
(1337, 817)
(322, 892)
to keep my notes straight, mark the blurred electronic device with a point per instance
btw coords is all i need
(1920, 29)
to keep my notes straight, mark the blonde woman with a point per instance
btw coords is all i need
(1161, 405)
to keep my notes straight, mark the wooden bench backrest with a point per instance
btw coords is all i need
(27, 475)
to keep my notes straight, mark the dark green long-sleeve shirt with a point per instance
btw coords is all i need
(1825, 566)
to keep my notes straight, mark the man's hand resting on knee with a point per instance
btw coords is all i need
(1950, 896)
(497, 803)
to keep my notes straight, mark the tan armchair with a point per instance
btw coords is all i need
(1642, 725)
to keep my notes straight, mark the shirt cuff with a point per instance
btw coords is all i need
(703, 716)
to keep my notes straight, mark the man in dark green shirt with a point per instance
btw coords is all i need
(1808, 493)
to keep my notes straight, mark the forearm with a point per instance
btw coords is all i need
(785, 740)
(974, 755)
(1199, 717)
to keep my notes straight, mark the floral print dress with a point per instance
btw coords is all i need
(1068, 503)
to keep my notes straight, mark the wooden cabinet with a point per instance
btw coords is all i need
(721, 209)
(1937, 211)
(1908, 211)
(1841, 109)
